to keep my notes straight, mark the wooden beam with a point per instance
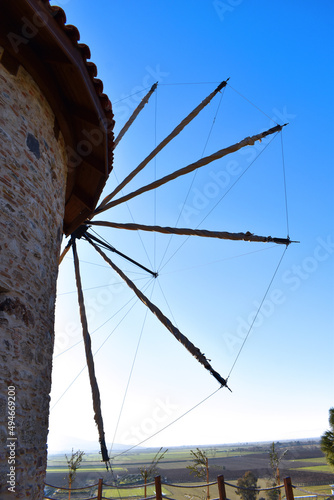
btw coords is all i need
(9, 62)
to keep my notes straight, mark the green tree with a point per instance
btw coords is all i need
(73, 464)
(327, 440)
(248, 481)
(200, 467)
(149, 471)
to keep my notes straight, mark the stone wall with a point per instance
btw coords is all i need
(32, 191)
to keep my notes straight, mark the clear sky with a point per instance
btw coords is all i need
(279, 57)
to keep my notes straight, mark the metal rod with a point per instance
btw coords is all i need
(163, 319)
(113, 249)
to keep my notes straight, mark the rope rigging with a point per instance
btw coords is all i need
(130, 375)
(194, 176)
(220, 200)
(162, 318)
(157, 149)
(103, 343)
(248, 141)
(223, 235)
(98, 243)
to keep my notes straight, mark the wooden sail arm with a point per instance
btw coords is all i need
(128, 124)
(89, 357)
(223, 235)
(248, 141)
(164, 143)
(134, 115)
(162, 318)
(64, 252)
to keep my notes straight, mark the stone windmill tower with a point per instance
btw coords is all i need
(55, 156)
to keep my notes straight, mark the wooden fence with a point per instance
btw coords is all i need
(288, 487)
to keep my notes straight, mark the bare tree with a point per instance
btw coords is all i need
(148, 471)
(275, 459)
(73, 464)
(200, 467)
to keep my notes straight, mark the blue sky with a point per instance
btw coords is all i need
(279, 58)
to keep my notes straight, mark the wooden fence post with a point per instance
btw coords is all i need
(288, 488)
(158, 494)
(99, 489)
(221, 487)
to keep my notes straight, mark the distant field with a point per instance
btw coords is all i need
(83, 468)
(305, 464)
(320, 490)
(316, 468)
(319, 460)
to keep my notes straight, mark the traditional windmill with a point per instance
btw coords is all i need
(56, 127)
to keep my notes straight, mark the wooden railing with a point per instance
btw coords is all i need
(287, 485)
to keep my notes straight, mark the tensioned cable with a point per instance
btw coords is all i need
(285, 191)
(168, 425)
(185, 269)
(133, 220)
(237, 180)
(168, 306)
(130, 95)
(98, 328)
(188, 83)
(131, 371)
(194, 176)
(110, 247)
(255, 106)
(220, 200)
(257, 312)
(155, 177)
(63, 394)
(176, 131)
(86, 262)
(100, 286)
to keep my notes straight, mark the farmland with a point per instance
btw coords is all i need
(304, 463)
